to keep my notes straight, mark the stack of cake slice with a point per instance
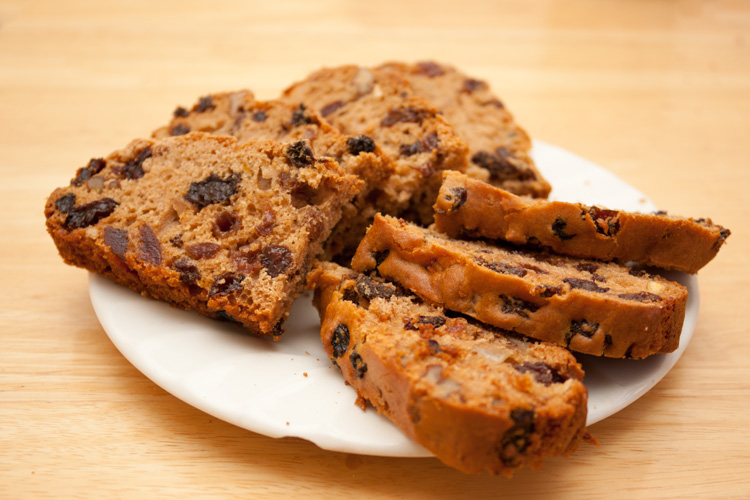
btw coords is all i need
(459, 331)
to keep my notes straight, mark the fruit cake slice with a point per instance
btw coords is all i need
(240, 115)
(498, 146)
(357, 100)
(586, 305)
(467, 207)
(478, 398)
(203, 223)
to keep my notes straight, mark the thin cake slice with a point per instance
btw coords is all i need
(409, 130)
(498, 146)
(480, 399)
(240, 115)
(467, 207)
(588, 306)
(202, 223)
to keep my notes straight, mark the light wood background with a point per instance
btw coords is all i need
(657, 92)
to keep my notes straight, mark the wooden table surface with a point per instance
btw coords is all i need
(656, 92)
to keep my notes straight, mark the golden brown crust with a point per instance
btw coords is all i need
(467, 207)
(202, 223)
(588, 306)
(480, 400)
(498, 147)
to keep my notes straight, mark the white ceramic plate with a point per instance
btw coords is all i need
(289, 388)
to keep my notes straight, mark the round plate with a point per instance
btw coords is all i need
(290, 388)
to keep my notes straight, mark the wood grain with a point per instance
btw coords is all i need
(657, 92)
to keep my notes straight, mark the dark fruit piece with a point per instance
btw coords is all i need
(149, 248)
(340, 340)
(116, 240)
(213, 189)
(360, 144)
(276, 259)
(90, 213)
(541, 371)
(360, 368)
(300, 154)
(226, 282)
(94, 167)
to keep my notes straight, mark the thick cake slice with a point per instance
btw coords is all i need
(409, 130)
(498, 146)
(203, 223)
(240, 115)
(467, 207)
(588, 306)
(478, 398)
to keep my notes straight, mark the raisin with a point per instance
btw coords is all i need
(331, 108)
(246, 260)
(176, 241)
(640, 297)
(116, 240)
(226, 222)
(514, 305)
(426, 144)
(65, 203)
(434, 346)
(179, 129)
(405, 115)
(640, 273)
(300, 116)
(548, 290)
(587, 285)
(260, 116)
(558, 227)
(94, 167)
(456, 197)
(496, 103)
(189, 274)
(360, 368)
(340, 340)
(225, 283)
(200, 251)
(430, 69)
(724, 233)
(502, 268)
(149, 248)
(435, 321)
(532, 267)
(606, 221)
(500, 166)
(360, 144)
(180, 112)
(517, 438)
(267, 222)
(583, 327)
(589, 267)
(133, 169)
(314, 222)
(470, 85)
(205, 104)
(300, 154)
(90, 213)
(367, 289)
(212, 189)
(541, 371)
(350, 295)
(276, 259)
